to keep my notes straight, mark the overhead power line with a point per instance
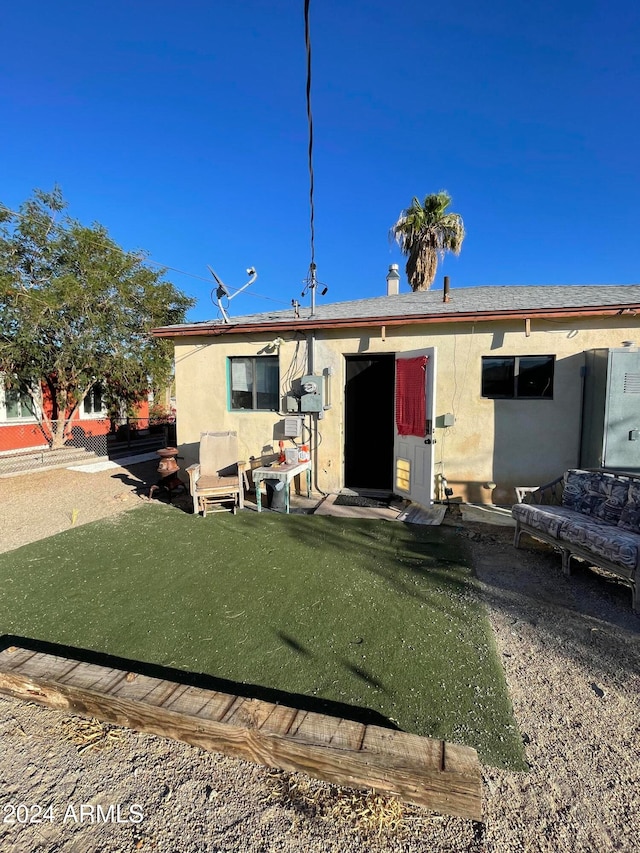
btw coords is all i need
(307, 39)
(146, 260)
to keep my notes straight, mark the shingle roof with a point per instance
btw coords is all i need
(466, 300)
(517, 298)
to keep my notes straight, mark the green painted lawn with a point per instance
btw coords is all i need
(375, 614)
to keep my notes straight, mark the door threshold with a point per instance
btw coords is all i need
(356, 492)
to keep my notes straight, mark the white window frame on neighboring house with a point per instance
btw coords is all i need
(27, 418)
(89, 402)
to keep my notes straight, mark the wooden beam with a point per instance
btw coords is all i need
(431, 773)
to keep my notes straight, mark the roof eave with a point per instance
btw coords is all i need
(313, 323)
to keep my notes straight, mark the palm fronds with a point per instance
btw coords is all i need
(424, 232)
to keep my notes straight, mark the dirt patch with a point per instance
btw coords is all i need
(43, 503)
(571, 653)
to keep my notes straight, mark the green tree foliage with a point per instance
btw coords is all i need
(76, 310)
(424, 232)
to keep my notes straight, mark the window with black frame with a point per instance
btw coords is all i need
(253, 383)
(521, 377)
(93, 403)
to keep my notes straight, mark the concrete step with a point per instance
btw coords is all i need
(39, 460)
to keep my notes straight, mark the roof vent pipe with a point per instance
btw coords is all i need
(393, 280)
(445, 293)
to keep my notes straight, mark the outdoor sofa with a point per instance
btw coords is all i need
(590, 514)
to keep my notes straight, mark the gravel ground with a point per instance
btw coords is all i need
(571, 653)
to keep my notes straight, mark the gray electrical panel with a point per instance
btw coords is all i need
(311, 399)
(611, 409)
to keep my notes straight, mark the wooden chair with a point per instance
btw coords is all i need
(216, 482)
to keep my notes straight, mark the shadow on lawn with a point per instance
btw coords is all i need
(299, 701)
(397, 553)
(367, 677)
(586, 612)
(293, 644)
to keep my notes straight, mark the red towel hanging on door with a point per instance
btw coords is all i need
(411, 396)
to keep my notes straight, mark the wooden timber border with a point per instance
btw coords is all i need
(431, 773)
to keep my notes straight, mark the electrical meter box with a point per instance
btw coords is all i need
(311, 394)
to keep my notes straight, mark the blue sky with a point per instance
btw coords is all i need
(182, 128)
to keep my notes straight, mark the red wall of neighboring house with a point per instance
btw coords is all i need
(24, 435)
(18, 436)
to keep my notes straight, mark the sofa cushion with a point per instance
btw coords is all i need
(603, 539)
(630, 517)
(546, 519)
(595, 493)
(576, 486)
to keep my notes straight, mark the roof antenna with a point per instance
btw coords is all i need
(223, 291)
(311, 282)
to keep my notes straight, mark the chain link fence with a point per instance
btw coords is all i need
(23, 447)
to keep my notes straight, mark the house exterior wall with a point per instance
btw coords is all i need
(22, 434)
(507, 442)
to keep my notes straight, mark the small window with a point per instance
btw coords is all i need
(17, 406)
(525, 377)
(93, 403)
(254, 383)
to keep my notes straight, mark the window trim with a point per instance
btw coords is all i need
(31, 418)
(93, 416)
(254, 359)
(516, 373)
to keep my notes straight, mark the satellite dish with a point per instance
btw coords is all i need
(222, 290)
(222, 287)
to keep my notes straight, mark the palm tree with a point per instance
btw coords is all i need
(424, 233)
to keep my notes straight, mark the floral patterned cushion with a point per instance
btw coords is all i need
(546, 519)
(603, 539)
(595, 493)
(630, 518)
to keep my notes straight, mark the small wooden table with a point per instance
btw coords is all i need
(285, 472)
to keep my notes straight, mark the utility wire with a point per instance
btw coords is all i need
(312, 266)
(307, 39)
(145, 260)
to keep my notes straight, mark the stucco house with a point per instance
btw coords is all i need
(478, 390)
